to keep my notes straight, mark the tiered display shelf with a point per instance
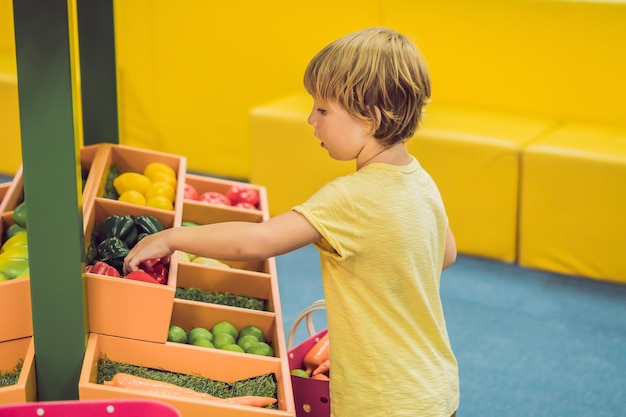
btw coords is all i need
(135, 331)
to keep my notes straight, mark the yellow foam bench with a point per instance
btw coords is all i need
(286, 158)
(473, 156)
(573, 202)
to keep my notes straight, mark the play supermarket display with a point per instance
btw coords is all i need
(204, 335)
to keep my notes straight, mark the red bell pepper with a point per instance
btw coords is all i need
(142, 276)
(102, 268)
(156, 269)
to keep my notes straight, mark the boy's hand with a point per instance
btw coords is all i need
(153, 246)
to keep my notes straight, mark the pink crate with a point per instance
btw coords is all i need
(311, 396)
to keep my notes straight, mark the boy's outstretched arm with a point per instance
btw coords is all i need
(234, 241)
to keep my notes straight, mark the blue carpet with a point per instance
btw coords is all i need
(528, 342)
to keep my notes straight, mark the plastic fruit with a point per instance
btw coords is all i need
(254, 331)
(222, 339)
(213, 197)
(246, 341)
(204, 343)
(177, 334)
(198, 333)
(131, 181)
(160, 202)
(243, 194)
(15, 252)
(163, 177)
(261, 348)
(209, 262)
(133, 197)
(233, 348)
(190, 192)
(225, 327)
(162, 189)
(183, 257)
(24, 274)
(19, 239)
(155, 168)
(300, 372)
(13, 267)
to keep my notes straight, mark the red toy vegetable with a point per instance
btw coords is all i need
(214, 197)
(156, 269)
(243, 194)
(245, 205)
(190, 192)
(142, 276)
(102, 268)
(317, 354)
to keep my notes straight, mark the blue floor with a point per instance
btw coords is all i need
(529, 343)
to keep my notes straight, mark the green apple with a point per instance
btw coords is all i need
(209, 261)
(183, 257)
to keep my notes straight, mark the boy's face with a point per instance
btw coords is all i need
(340, 133)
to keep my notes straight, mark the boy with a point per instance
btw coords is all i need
(382, 233)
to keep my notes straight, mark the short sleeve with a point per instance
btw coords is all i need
(331, 212)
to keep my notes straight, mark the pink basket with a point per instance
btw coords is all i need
(311, 396)
(90, 408)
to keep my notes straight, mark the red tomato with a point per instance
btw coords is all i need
(243, 194)
(245, 205)
(190, 192)
(214, 197)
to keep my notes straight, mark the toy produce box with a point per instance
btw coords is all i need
(18, 354)
(112, 225)
(228, 369)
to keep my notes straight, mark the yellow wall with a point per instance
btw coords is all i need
(7, 37)
(10, 145)
(551, 58)
(189, 72)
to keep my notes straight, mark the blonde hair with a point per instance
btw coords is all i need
(369, 69)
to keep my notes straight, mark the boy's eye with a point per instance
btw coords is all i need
(321, 111)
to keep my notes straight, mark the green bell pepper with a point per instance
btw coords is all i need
(148, 225)
(19, 214)
(112, 248)
(113, 251)
(121, 227)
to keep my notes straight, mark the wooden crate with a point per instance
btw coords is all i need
(122, 307)
(214, 364)
(11, 352)
(14, 299)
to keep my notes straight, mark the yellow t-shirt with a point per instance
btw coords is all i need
(384, 231)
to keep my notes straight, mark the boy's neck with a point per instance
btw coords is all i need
(393, 155)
